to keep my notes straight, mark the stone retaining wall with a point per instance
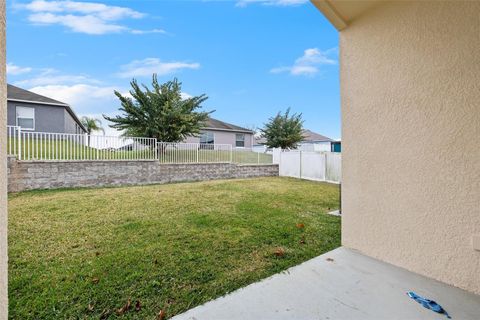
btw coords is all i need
(23, 175)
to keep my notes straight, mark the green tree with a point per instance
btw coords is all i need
(91, 125)
(284, 130)
(159, 112)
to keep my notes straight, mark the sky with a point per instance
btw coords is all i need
(252, 58)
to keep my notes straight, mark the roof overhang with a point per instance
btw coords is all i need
(316, 141)
(228, 130)
(341, 12)
(38, 102)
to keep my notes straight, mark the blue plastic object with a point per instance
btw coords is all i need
(427, 303)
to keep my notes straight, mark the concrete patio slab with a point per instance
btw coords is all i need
(351, 286)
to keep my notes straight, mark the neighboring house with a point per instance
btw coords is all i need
(219, 132)
(34, 112)
(312, 142)
(259, 144)
(315, 142)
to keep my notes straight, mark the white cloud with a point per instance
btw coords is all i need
(149, 66)
(280, 3)
(14, 70)
(53, 77)
(135, 31)
(185, 95)
(309, 64)
(84, 98)
(83, 17)
(84, 24)
(99, 9)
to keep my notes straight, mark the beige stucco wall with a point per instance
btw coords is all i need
(410, 83)
(3, 167)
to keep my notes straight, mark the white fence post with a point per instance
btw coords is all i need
(19, 143)
(277, 154)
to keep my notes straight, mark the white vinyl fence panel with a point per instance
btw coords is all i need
(318, 166)
(333, 171)
(289, 164)
(313, 166)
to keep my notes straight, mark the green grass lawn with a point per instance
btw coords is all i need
(82, 253)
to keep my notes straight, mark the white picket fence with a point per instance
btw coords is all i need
(41, 146)
(13, 133)
(44, 146)
(171, 152)
(209, 153)
(318, 166)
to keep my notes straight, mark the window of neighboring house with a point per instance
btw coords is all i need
(25, 118)
(207, 138)
(240, 140)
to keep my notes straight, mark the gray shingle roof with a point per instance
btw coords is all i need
(16, 93)
(311, 136)
(215, 124)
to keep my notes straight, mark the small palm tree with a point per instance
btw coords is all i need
(91, 125)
